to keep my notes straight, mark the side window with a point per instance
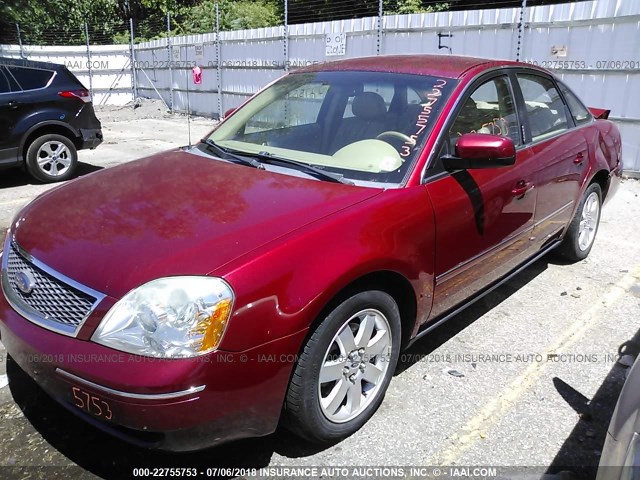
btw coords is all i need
(31, 78)
(412, 97)
(579, 112)
(545, 108)
(4, 81)
(490, 109)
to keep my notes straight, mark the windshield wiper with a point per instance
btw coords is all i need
(226, 154)
(271, 159)
(238, 156)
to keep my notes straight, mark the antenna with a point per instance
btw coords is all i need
(188, 112)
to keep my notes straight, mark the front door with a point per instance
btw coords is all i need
(484, 217)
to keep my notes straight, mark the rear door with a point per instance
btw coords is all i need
(34, 97)
(9, 112)
(558, 151)
(483, 217)
(33, 82)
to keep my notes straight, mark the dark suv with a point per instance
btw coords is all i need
(46, 115)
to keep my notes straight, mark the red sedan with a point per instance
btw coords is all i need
(276, 269)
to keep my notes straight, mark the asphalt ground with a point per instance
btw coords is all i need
(526, 379)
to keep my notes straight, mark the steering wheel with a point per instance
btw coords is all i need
(394, 134)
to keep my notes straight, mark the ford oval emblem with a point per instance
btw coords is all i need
(25, 282)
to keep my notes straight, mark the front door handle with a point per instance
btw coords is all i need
(521, 188)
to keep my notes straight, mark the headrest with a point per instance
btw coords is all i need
(470, 107)
(369, 106)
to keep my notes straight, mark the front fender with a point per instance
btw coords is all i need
(282, 287)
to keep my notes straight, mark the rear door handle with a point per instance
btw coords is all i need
(521, 188)
(579, 158)
(13, 104)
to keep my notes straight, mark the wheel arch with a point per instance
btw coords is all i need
(388, 281)
(58, 128)
(602, 178)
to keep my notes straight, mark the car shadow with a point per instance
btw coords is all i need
(436, 338)
(580, 453)
(17, 177)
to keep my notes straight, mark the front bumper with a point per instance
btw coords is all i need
(90, 138)
(178, 405)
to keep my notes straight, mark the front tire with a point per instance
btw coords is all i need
(582, 230)
(345, 368)
(52, 158)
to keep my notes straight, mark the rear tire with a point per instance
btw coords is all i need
(582, 230)
(52, 158)
(344, 369)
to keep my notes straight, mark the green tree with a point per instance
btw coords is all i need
(60, 21)
(413, 6)
(234, 15)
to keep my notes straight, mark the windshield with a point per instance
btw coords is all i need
(366, 126)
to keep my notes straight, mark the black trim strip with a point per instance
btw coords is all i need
(447, 316)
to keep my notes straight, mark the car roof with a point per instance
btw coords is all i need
(25, 62)
(449, 66)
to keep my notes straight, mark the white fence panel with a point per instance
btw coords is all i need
(109, 66)
(598, 43)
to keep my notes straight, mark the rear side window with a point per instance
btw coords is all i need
(579, 112)
(4, 81)
(545, 108)
(31, 78)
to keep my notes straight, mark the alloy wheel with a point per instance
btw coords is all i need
(54, 158)
(589, 221)
(355, 366)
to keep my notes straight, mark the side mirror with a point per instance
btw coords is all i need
(479, 150)
(229, 112)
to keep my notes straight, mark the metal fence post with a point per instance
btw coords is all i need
(86, 36)
(169, 62)
(134, 82)
(218, 63)
(379, 39)
(521, 30)
(19, 40)
(286, 35)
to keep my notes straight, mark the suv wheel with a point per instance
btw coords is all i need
(52, 158)
(345, 368)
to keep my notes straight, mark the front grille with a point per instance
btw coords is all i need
(60, 305)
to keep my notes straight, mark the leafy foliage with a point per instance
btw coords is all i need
(48, 22)
(234, 15)
(53, 21)
(415, 6)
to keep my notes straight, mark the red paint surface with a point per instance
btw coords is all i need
(287, 246)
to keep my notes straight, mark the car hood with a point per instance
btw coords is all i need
(174, 213)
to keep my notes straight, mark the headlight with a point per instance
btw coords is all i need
(172, 317)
